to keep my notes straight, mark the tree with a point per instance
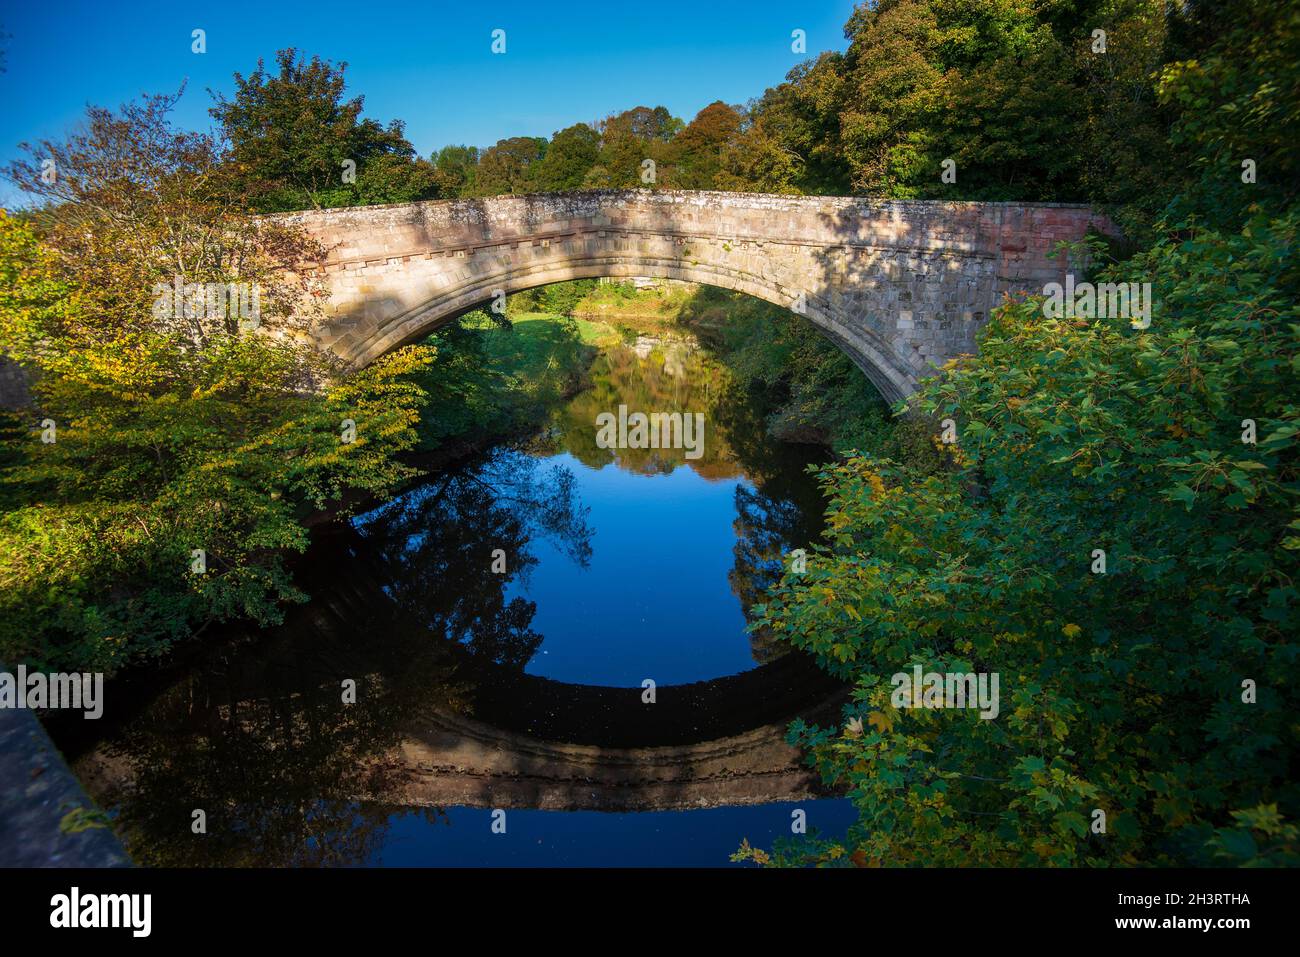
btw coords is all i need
(642, 123)
(974, 81)
(391, 179)
(184, 445)
(791, 138)
(627, 140)
(1234, 101)
(506, 168)
(697, 149)
(454, 169)
(135, 204)
(759, 161)
(1114, 535)
(569, 157)
(293, 139)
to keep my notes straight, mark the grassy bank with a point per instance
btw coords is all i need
(494, 378)
(817, 394)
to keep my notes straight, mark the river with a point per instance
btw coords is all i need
(535, 656)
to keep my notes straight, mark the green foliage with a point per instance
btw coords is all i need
(978, 82)
(162, 448)
(562, 297)
(627, 140)
(820, 396)
(790, 140)
(571, 153)
(1126, 162)
(454, 169)
(491, 380)
(697, 150)
(1157, 689)
(1238, 100)
(1010, 90)
(507, 167)
(1120, 691)
(291, 135)
(608, 154)
(140, 207)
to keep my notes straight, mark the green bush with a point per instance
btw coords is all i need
(1160, 691)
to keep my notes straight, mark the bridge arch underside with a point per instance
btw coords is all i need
(374, 333)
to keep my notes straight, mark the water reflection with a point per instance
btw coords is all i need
(614, 560)
(437, 545)
(255, 732)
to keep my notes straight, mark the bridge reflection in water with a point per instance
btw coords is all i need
(255, 734)
(449, 709)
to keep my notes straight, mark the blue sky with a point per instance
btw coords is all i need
(429, 63)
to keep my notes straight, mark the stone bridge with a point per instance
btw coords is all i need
(898, 285)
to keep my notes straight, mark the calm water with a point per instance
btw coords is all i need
(704, 838)
(480, 686)
(629, 563)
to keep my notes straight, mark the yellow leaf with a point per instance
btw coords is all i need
(880, 721)
(1071, 631)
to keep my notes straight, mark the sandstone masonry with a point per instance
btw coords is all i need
(900, 286)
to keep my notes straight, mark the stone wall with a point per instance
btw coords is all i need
(15, 391)
(46, 819)
(901, 286)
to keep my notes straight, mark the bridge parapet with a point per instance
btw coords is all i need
(900, 285)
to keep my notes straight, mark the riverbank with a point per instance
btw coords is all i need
(518, 685)
(819, 396)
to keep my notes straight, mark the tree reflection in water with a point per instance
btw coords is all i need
(437, 544)
(256, 734)
(778, 506)
(437, 541)
(254, 731)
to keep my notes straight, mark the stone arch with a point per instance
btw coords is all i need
(901, 286)
(872, 357)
